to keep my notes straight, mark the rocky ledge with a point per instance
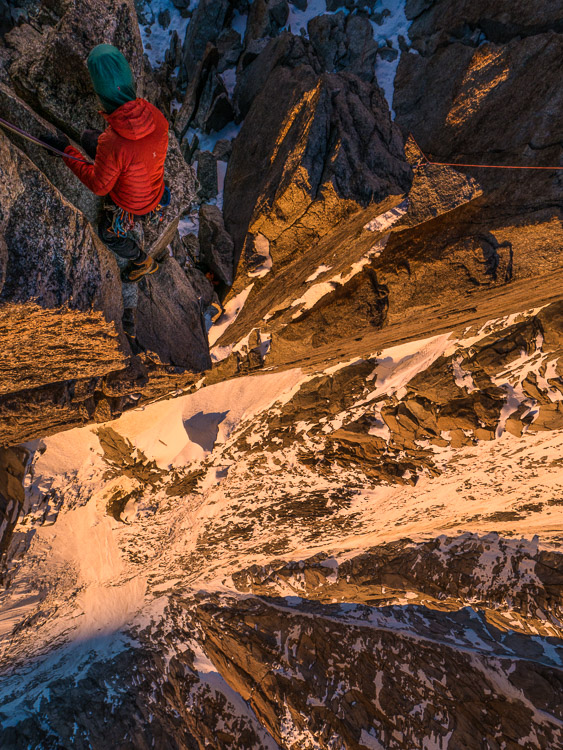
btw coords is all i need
(335, 523)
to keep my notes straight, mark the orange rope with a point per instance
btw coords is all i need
(480, 166)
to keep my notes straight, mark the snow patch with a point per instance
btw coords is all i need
(179, 431)
(207, 141)
(315, 293)
(386, 220)
(320, 270)
(370, 741)
(156, 39)
(262, 248)
(230, 314)
(394, 25)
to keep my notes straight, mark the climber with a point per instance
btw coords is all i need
(128, 160)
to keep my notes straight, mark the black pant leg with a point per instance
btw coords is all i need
(125, 247)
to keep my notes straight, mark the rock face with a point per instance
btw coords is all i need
(59, 54)
(208, 22)
(57, 278)
(379, 503)
(328, 147)
(436, 23)
(483, 91)
(346, 533)
(216, 245)
(169, 321)
(70, 266)
(13, 465)
(344, 43)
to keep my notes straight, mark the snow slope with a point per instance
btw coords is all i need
(241, 474)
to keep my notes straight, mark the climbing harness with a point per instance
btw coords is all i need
(33, 139)
(426, 160)
(126, 223)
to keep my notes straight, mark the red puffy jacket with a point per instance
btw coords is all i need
(130, 158)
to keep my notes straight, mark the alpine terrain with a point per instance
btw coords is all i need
(299, 485)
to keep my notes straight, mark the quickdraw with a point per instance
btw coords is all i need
(123, 222)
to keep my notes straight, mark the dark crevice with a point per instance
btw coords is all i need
(496, 32)
(542, 147)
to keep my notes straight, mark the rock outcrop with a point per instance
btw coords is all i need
(49, 68)
(55, 270)
(346, 533)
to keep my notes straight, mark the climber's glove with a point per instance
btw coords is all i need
(58, 141)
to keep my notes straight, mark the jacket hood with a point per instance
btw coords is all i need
(133, 120)
(111, 77)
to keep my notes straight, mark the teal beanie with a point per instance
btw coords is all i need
(111, 76)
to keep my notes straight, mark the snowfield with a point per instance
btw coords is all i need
(183, 494)
(78, 559)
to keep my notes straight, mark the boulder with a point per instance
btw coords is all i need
(219, 114)
(222, 149)
(229, 47)
(191, 245)
(206, 24)
(213, 110)
(202, 286)
(50, 71)
(549, 417)
(265, 19)
(216, 245)
(207, 175)
(344, 43)
(204, 70)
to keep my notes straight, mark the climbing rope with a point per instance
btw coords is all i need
(479, 166)
(33, 139)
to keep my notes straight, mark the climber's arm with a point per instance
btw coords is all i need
(101, 176)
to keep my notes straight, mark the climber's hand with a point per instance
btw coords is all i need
(58, 141)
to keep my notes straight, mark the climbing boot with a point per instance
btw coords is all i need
(140, 269)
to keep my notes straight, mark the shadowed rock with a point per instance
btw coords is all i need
(169, 319)
(216, 245)
(50, 70)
